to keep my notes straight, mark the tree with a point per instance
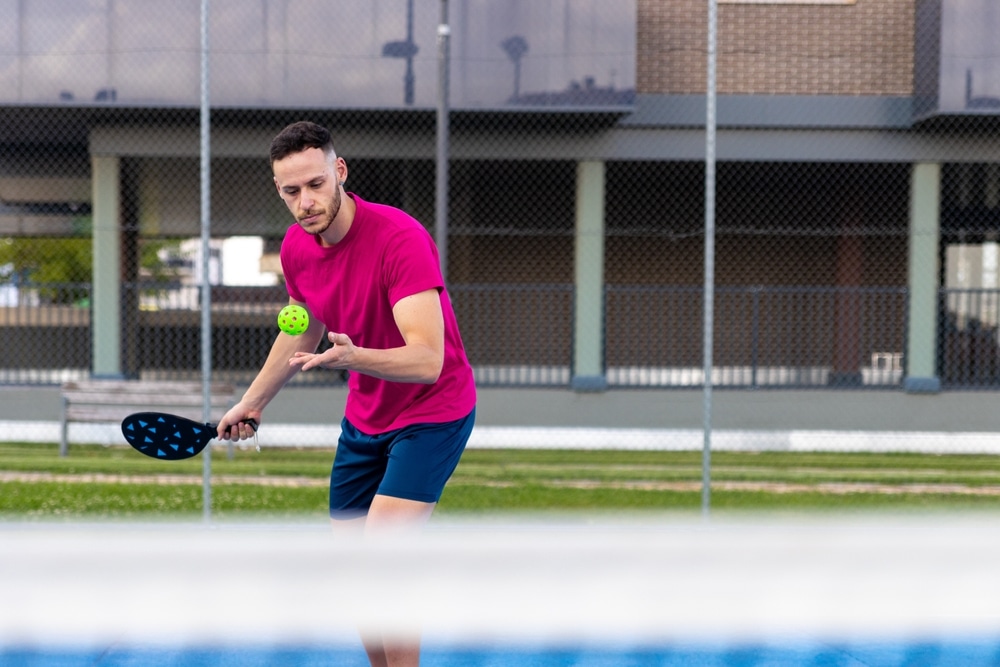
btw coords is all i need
(60, 267)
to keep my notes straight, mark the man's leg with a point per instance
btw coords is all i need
(388, 515)
(413, 462)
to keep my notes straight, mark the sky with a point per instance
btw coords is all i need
(303, 53)
(969, 46)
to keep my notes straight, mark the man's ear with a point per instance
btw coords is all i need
(341, 171)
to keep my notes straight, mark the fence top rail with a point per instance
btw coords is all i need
(511, 287)
(969, 290)
(756, 289)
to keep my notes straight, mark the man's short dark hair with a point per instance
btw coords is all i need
(299, 136)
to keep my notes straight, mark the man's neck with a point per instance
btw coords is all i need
(336, 232)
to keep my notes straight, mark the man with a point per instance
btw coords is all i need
(370, 277)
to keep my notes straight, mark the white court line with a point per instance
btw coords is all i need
(655, 580)
(561, 437)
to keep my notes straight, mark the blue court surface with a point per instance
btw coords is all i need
(884, 654)
(881, 591)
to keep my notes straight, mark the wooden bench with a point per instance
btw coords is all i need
(97, 401)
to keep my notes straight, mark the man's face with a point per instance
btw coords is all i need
(309, 184)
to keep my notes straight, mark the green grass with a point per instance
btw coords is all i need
(94, 459)
(37, 500)
(116, 482)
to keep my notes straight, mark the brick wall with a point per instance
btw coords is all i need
(860, 49)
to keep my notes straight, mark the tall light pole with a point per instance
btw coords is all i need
(405, 49)
(206, 284)
(515, 47)
(441, 183)
(709, 286)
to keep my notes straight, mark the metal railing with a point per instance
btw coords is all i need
(765, 336)
(522, 335)
(968, 347)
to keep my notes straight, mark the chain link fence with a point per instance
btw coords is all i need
(825, 108)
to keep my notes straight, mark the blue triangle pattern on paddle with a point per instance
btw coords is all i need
(167, 437)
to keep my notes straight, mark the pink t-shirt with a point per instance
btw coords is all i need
(352, 287)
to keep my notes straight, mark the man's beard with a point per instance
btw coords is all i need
(331, 213)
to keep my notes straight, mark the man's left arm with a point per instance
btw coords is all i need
(420, 321)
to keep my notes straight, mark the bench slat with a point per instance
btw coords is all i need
(144, 387)
(110, 414)
(144, 399)
(113, 400)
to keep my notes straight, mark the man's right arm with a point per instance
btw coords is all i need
(273, 375)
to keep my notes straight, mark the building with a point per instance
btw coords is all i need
(855, 157)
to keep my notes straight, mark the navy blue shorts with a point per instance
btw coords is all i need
(413, 462)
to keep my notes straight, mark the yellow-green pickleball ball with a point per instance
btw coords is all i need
(293, 320)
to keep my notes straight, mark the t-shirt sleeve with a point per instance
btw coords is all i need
(411, 265)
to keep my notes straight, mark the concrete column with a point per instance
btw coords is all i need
(921, 347)
(588, 325)
(106, 295)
